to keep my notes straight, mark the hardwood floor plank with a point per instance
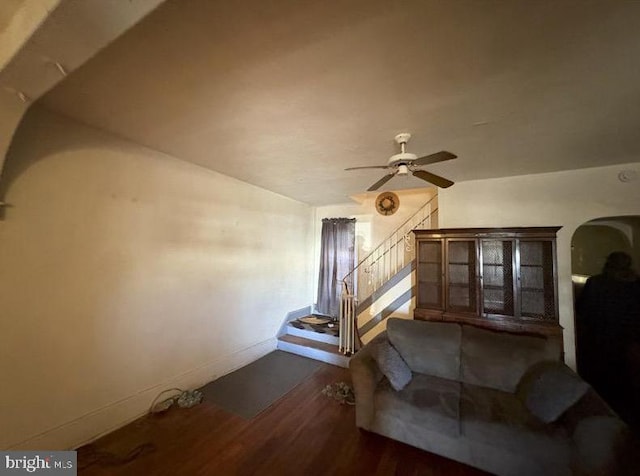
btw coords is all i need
(303, 433)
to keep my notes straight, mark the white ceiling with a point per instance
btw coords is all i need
(285, 94)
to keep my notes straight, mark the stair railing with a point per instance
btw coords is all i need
(375, 269)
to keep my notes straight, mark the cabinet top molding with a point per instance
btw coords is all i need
(491, 232)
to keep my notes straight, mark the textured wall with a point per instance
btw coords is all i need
(123, 272)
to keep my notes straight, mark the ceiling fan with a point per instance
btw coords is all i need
(405, 162)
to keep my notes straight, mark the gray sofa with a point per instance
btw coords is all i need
(470, 398)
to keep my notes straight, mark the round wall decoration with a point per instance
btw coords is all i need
(387, 203)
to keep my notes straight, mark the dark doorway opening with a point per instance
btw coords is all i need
(607, 298)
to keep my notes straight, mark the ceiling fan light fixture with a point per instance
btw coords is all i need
(403, 169)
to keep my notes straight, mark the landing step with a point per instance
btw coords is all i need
(311, 334)
(313, 349)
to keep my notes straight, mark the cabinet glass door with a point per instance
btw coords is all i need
(430, 274)
(537, 296)
(462, 287)
(497, 277)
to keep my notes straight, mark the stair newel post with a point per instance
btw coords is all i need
(347, 317)
(353, 325)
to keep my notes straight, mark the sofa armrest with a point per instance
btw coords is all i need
(601, 444)
(600, 439)
(365, 376)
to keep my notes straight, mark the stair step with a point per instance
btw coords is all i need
(313, 335)
(313, 349)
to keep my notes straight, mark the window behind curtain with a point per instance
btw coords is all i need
(337, 259)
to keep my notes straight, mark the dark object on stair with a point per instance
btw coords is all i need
(318, 329)
(315, 320)
(328, 327)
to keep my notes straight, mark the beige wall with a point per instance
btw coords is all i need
(11, 111)
(42, 40)
(124, 272)
(18, 20)
(568, 199)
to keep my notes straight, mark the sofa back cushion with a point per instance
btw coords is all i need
(548, 389)
(500, 359)
(391, 364)
(431, 348)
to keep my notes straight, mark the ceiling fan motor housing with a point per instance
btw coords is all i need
(403, 158)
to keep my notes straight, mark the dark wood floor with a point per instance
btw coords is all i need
(304, 433)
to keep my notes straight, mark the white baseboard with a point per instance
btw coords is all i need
(91, 426)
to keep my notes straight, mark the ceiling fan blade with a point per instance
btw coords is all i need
(369, 167)
(433, 158)
(381, 182)
(433, 178)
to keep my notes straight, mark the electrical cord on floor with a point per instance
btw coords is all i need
(90, 455)
(184, 399)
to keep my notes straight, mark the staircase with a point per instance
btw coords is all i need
(319, 344)
(384, 285)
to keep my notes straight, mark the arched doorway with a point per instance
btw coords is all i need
(607, 321)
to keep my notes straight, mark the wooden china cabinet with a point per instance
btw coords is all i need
(499, 278)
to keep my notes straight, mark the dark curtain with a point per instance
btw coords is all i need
(337, 259)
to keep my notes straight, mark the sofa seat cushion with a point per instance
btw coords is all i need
(427, 401)
(490, 415)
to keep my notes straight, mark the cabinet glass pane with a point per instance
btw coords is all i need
(430, 274)
(497, 277)
(532, 303)
(461, 251)
(431, 251)
(430, 296)
(493, 275)
(462, 276)
(532, 252)
(537, 295)
(532, 277)
(459, 273)
(459, 297)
